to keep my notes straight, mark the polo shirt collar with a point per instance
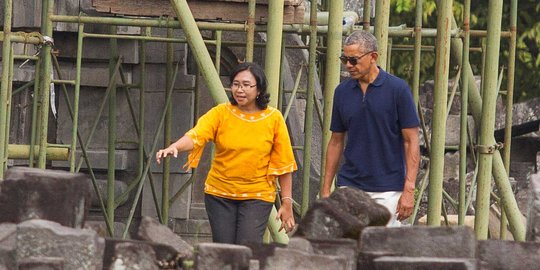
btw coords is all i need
(380, 77)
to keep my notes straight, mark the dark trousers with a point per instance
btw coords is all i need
(237, 221)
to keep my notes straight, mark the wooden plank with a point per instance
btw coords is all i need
(202, 10)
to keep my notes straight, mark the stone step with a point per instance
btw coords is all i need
(98, 159)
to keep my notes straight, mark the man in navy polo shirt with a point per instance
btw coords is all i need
(375, 111)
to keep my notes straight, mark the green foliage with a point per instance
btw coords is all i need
(527, 75)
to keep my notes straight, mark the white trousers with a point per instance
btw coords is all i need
(389, 200)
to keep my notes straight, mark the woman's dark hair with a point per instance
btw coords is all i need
(264, 97)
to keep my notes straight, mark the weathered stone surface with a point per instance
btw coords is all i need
(345, 248)
(100, 227)
(95, 49)
(262, 252)
(156, 52)
(155, 77)
(538, 161)
(499, 255)
(128, 250)
(300, 244)
(177, 210)
(285, 258)
(133, 256)
(426, 96)
(42, 263)
(80, 249)
(193, 231)
(8, 246)
(98, 158)
(26, 13)
(522, 114)
(151, 230)
(533, 214)
(344, 214)
(209, 256)
(459, 242)
(423, 263)
(453, 129)
(29, 193)
(119, 189)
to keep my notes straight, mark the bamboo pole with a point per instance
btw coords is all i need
(273, 49)
(366, 15)
(487, 124)
(111, 134)
(331, 76)
(250, 35)
(167, 138)
(382, 19)
(196, 44)
(515, 218)
(509, 102)
(76, 95)
(417, 51)
(48, 9)
(308, 126)
(464, 116)
(19, 151)
(4, 97)
(438, 135)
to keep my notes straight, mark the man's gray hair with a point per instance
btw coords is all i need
(364, 39)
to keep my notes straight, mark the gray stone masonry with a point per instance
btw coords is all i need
(423, 263)
(29, 193)
(151, 230)
(300, 244)
(341, 247)
(533, 215)
(344, 214)
(128, 251)
(133, 256)
(8, 246)
(119, 189)
(80, 249)
(98, 158)
(210, 256)
(286, 258)
(42, 263)
(538, 162)
(443, 242)
(502, 255)
(178, 210)
(95, 49)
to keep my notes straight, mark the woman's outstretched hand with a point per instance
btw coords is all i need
(163, 153)
(285, 214)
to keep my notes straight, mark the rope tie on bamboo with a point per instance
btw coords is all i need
(27, 37)
(489, 149)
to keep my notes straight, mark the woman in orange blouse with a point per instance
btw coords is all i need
(252, 149)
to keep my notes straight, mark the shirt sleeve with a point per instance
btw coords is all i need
(336, 125)
(407, 115)
(203, 132)
(281, 158)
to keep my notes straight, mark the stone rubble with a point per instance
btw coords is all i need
(358, 240)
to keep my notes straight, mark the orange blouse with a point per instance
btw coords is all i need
(251, 150)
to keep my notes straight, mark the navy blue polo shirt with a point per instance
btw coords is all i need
(374, 158)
